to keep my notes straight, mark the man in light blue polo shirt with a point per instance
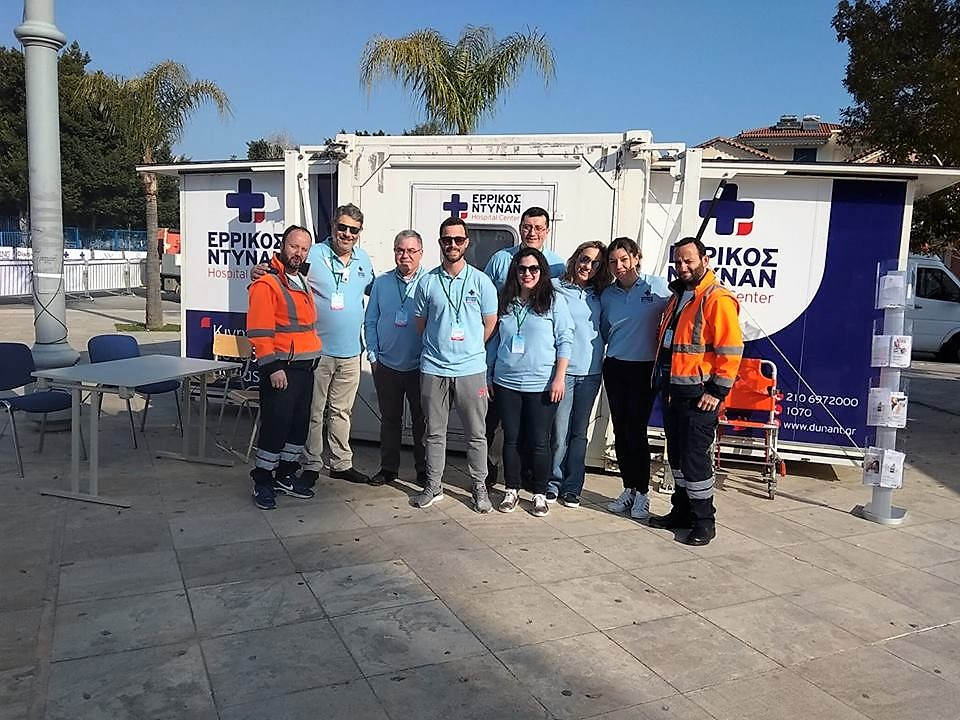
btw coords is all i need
(456, 312)
(534, 229)
(393, 349)
(340, 274)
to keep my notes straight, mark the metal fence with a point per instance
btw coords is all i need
(80, 277)
(76, 239)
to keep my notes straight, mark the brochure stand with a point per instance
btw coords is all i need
(887, 403)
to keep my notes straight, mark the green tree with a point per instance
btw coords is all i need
(271, 147)
(903, 72)
(150, 112)
(263, 149)
(458, 83)
(13, 133)
(430, 127)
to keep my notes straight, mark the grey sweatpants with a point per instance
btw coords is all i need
(469, 395)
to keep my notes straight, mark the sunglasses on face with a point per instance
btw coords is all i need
(528, 269)
(453, 240)
(406, 251)
(352, 229)
(584, 260)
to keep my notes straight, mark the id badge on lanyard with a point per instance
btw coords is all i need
(518, 346)
(456, 333)
(400, 319)
(336, 301)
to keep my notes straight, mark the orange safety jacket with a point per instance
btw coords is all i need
(281, 320)
(707, 344)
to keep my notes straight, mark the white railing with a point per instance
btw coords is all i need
(80, 276)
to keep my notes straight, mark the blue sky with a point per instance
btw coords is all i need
(687, 70)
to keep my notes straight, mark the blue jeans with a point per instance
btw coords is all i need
(570, 433)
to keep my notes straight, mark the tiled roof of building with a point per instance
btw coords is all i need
(824, 129)
(735, 144)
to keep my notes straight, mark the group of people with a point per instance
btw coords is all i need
(520, 347)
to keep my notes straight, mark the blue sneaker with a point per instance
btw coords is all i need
(291, 485)
(263, 497)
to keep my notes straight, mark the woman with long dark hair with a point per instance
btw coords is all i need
(581, 284)
(630, 311)
(528, 357)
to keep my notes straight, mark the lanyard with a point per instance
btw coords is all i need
(403, 289)
(338, 275)
(520, 316)
(459, 305)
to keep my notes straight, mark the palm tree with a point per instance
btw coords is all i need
(458, 83)
(150, 112)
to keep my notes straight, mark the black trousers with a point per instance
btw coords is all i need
(690, 435)
(527, 420)
(284, 421)
(630, 395)
(392, 387)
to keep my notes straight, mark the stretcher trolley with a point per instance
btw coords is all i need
(748, 422)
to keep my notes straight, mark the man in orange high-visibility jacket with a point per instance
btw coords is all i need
(699, 351)
(281, 325)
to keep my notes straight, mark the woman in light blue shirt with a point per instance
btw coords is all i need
(529, 356)
(630, 311)
(581, 284)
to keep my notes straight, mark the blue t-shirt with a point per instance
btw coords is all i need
(389, 327)
(630, 319)
(584, 306)
(527, 345)
(454, 309)
(341, 286)
(499, 264)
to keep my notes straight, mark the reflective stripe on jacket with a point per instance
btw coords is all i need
(707, 343)
(281, 319)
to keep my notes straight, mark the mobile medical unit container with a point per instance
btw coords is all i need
(798, 243)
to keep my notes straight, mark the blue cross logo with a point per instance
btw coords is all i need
(245, 200)
(455, 207)
(728, 211)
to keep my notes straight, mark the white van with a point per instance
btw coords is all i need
(936, 310)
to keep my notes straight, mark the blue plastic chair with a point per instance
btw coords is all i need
(104, 348)
(17, 363)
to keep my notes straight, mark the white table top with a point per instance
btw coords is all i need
(133, 372)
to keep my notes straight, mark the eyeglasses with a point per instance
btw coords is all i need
(352, 229)
(584, 260)
(528, 269)
(533, 229)
(406, 251)
(453, 239)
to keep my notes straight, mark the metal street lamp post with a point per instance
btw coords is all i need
(41, 41)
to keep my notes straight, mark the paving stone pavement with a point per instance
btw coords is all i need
(194, 604)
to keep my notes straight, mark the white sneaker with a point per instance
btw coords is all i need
(540, 507)
(641, 507)
(509, 502)
(622, 503)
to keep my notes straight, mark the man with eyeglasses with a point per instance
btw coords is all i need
(456, 313)
(393, 349)
(340, 274)
(534, 230)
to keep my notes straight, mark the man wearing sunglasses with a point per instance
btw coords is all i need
(340, 274)
(456, 312)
